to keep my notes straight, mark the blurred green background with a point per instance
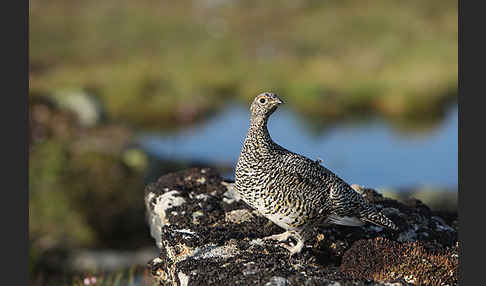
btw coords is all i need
(101, 71)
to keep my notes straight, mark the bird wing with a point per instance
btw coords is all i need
(319, 182)
(330, 194)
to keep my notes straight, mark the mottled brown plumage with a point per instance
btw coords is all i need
(291, 190)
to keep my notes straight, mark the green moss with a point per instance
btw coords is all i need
(53, 219)
(82, 198)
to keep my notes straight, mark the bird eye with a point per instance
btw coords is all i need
(262, 100)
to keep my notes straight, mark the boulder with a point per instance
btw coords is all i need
(207, 236)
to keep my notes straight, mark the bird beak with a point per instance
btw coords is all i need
(279, 101)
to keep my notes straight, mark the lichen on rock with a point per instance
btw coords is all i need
(207, 236)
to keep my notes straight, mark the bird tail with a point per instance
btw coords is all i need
(378, 218)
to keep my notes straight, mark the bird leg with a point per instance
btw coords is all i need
(279, 237)
(284, 236)
(294, 249)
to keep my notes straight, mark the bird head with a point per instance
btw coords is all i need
(264, 105)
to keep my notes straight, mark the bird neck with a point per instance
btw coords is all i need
(258, 132)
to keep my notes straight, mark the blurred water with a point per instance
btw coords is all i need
(368, 153)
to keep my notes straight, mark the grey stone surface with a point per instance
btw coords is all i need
(206, 237)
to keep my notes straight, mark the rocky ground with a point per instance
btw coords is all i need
(207, 236)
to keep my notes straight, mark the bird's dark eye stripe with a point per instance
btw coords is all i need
(262, 100)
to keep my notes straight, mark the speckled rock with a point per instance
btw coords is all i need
(207, 236)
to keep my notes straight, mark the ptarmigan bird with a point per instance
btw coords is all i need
(293, 191)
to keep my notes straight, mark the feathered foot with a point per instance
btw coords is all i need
(279, 237)
(293, 249)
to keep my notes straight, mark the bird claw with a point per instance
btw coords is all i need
(290, 247)
(293, 249)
